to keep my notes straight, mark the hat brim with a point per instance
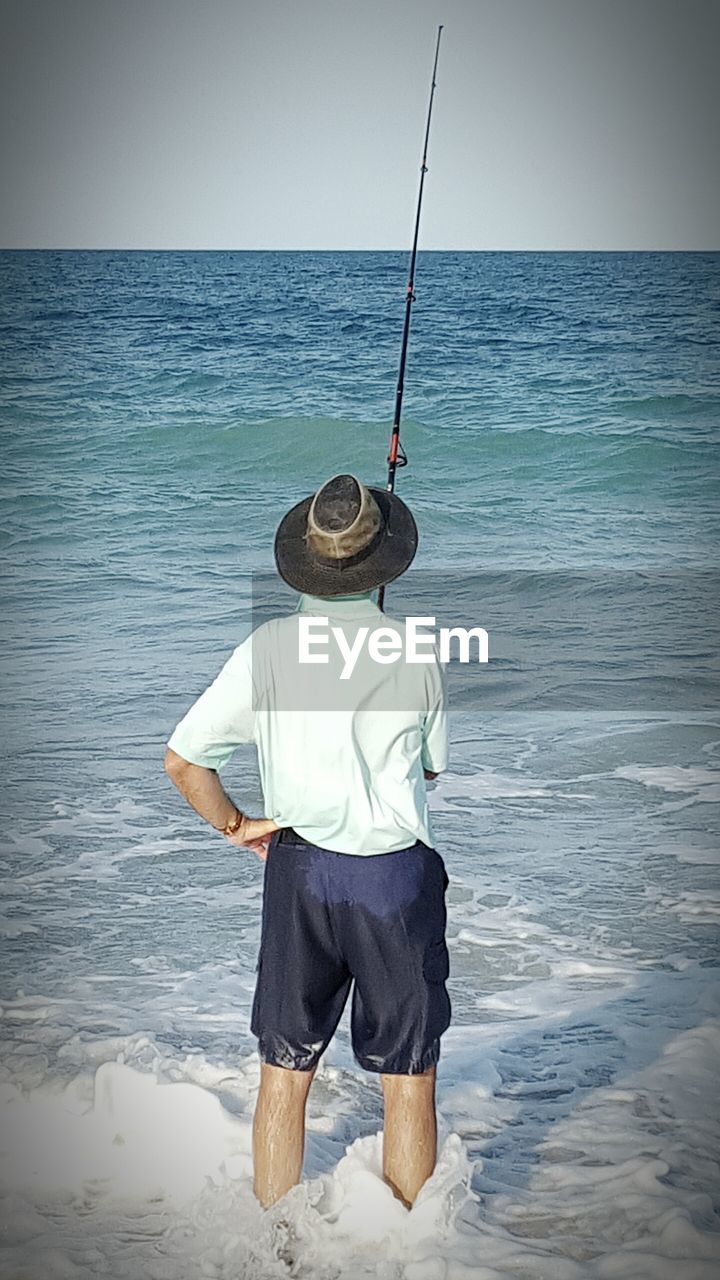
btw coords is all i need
(302, 570)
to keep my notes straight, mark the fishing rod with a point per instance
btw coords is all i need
(397, 456)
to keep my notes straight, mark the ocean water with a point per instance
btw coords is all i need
(160, 411)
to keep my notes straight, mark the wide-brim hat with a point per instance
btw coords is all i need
(344, 539)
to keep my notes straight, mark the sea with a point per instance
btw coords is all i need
(160, 411)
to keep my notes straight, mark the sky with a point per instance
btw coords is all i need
(252, 124)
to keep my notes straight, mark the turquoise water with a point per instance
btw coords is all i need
(159, 413)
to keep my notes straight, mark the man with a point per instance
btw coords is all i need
(354, 892)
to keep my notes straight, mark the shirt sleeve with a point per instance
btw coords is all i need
(222, 718)
(435, 748)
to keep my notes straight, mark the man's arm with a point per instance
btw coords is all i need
(219, 721)
(435, 726)
(204, 791)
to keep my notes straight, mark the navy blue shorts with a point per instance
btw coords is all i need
(331, 919)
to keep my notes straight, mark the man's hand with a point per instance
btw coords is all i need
(203, 790)
(254, 833)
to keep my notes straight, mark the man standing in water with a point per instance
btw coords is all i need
(354, 892)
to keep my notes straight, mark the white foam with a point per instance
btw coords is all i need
(695, 856)
(139, 1137)
(614, 1174)
(703, 783)
(701, 906)
(127, 1141)
(611, 1179)
(453, 790)
(129, 1149)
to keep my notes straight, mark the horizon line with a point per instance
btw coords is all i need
(347, 249)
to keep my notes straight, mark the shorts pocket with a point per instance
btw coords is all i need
(436, 963)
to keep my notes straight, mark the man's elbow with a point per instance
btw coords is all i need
(179, 769)
(174, 765)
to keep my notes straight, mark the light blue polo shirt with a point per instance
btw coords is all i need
(341, 753)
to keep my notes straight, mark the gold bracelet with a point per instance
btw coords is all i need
(231, 827)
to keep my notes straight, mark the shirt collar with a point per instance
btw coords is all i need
(361, 605)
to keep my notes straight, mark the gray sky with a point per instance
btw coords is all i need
(564, 124)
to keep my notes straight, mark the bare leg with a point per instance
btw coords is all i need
(279, 1131)
(410, 1133)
